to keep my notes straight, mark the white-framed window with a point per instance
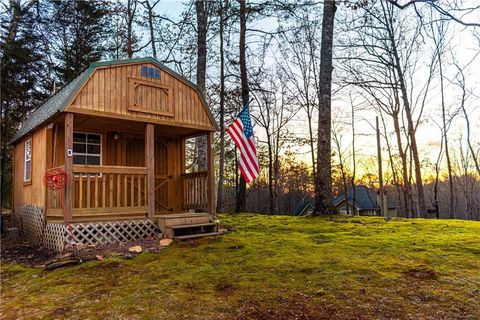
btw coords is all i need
(87, 148)
(27, 176)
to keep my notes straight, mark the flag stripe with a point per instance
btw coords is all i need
(252, 167)
(246, 147)
(240, 130)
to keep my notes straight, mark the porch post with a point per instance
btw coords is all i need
(210, 174)
(69, 164)
(150, 164)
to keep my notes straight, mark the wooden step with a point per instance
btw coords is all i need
(165, 221)
(184, 226)
(181, 215)
(198, 235)
(190, 229)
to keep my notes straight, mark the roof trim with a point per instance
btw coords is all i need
(58, 102)
(55, 105)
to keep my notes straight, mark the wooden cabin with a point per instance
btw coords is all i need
(118, 131)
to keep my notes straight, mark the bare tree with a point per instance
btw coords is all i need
(439, 33)
(241, 202)
(323, 178)
(149, 7)
(221, 171)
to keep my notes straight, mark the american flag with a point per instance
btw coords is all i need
(241, 132)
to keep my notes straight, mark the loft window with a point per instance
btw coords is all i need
(87, 148)
(150, 72)
(28, 161)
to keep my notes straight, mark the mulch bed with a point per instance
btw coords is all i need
(22, 252)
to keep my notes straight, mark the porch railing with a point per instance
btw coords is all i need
(195, 190)
(105, 191)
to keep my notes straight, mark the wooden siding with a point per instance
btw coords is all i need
(117, 91)
(34, 192)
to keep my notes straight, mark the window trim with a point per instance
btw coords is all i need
(86, 143)
(29, 180)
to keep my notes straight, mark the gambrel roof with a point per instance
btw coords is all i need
(61, 100)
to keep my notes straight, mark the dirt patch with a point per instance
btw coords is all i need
(225, 287)
(422, 272)
(287, 308)
(60, 312)
(23, 252)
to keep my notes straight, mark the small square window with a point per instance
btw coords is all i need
(87, 148)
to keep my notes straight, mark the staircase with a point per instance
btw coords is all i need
(183, 226)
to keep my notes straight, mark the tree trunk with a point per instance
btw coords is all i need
(221, 171)
(271, 208)
(422, 210)
(130, 17)
(403, 157)
(202, 20)
(451, 197)
(242, 186)
(150, 27)
(323, 179)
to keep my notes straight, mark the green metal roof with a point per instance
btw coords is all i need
(59, 101)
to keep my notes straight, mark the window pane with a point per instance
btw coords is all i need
(93, 149)
(93, 160)
(94, 138)
(28, 150)
(79, 159)
(79, 148)
(27, 170)
(79, 137)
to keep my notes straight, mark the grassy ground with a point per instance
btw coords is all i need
(273, 267)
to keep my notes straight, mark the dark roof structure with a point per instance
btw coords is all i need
(302, 207)
(365, 199)
(59, 101)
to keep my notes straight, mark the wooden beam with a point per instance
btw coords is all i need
(69, 164)
(210, 174)
(150, 164)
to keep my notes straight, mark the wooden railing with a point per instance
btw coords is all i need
(109, 186)
(195, 190)
(106, 192)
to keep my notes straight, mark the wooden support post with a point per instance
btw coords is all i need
(210, 174)
(150, 164)
(69, 164)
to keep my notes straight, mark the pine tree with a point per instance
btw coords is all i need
(80, 32)
(21, 80)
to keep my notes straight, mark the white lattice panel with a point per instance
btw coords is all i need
(31, 222)
(57, 235)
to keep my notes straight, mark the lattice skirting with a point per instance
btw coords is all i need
(56, 236)
(31, 222)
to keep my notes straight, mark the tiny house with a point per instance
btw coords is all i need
(118, 131)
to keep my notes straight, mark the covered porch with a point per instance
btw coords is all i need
(119, 169)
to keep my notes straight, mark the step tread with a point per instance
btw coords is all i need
(185, 226)
(198, 235)
(182, 215)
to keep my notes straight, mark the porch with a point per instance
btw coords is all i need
(138, 173)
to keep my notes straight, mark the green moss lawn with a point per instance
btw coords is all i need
(272, 267)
